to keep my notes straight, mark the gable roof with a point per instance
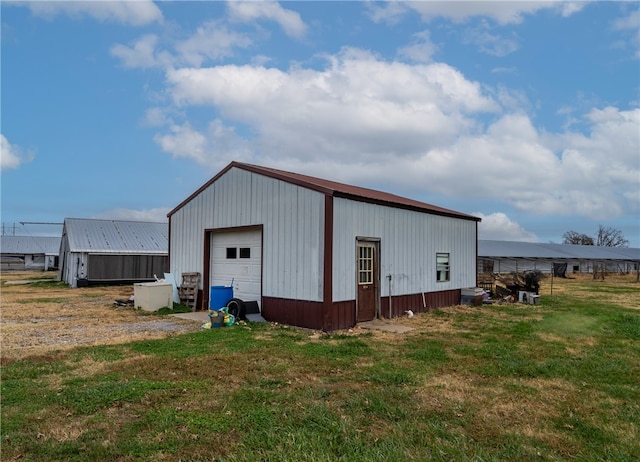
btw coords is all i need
(536, 250)
(335, 189)
(116, 236)
(30, 245)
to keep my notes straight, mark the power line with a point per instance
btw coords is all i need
(39, 223)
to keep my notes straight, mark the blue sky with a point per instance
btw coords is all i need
(526, 114)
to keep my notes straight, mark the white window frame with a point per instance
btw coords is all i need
(443, 267)
(365, 264)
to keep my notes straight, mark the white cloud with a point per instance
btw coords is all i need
(569, 173)
(511, 100)
(421, 50)
(11, 156)
(212, 40)
(289, 20)
(568, 8)
(157, 117)
(134, 13)
(629, 24)
(217, 146)
(506, 162)
(157, 215)
(368, 121)
(358, 106)
(389, 12)
(357, 110)
(498, 226)
(184, 141)
(490, 13)
(608, 155)
(502, 12)
(142, 53)
(490, 43)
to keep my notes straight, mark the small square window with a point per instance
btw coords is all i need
(232, 253)
(443, 269)
(245, 252)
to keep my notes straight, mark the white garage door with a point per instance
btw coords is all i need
(236, 256)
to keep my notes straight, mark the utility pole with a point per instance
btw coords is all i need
(5, 229)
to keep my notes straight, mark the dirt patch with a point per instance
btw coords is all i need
(39, 316)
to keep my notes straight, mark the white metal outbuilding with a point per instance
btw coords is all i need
(317, 253)
(112, 251)
(29, 252)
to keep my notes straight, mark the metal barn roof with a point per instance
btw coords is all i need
(30, 245)
(333, 188)
(116, 236)
(534, 250)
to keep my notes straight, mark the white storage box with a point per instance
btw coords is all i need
(471, 296)
(472, 291)
(528, 297)
(151, 296)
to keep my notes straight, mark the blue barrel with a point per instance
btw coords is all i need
(220, 296)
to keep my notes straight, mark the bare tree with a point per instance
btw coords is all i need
(605, 237)
(576, 238)
(610, 237)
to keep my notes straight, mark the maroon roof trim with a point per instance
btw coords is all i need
(335, 189)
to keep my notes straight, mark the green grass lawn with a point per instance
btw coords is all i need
(556, 381)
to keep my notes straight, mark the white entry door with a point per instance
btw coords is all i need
(236, 256)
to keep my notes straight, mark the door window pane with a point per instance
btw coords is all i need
(365, 264)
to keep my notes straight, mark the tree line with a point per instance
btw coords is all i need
(606, 236)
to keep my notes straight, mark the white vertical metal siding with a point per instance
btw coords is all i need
(75, 268)
(409, 242)
(292, 219)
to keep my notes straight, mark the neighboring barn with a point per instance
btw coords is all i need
(503, 257)
(29, 253)
(319, 254)
(112, 251)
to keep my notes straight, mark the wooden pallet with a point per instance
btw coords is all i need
(188, 290)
